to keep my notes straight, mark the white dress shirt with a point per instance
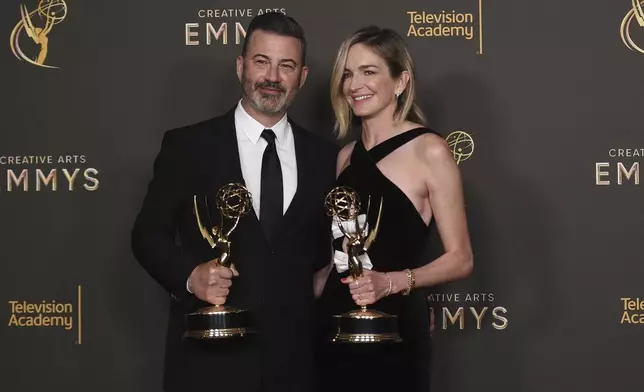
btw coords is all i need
(251, 146)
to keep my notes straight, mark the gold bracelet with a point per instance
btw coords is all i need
(390, 285)
(410, 282)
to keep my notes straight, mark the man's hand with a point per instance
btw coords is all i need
(210, 282)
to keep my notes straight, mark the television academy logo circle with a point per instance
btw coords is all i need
(461, 144)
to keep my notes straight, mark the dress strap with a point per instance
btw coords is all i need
(390, 145)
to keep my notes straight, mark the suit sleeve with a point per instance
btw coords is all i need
(155, 227)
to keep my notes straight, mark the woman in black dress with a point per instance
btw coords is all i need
(411, 168)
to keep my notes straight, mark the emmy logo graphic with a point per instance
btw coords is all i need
(37, 25)
(625, 29)
(461, 144)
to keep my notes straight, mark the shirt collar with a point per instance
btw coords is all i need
(253, 129)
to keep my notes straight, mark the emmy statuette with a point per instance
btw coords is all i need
(360, 325)
(218, 321)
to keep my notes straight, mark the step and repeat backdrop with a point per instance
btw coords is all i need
(542, 104)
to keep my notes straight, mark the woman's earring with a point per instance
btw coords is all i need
(397, 95)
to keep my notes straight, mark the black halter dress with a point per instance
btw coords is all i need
(400, 243)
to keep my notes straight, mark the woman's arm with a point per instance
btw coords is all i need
(443, 181)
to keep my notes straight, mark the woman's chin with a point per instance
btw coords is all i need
(363, 113)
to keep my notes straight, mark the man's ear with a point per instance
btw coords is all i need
(240, 68)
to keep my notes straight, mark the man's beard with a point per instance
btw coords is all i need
(267, 103)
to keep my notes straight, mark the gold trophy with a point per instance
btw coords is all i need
(361, 325)
(218, 321)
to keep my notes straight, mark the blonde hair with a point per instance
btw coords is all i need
(391, 47)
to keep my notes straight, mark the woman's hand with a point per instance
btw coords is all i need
(369, 288)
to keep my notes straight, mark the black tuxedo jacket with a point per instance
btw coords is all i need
(276, 278)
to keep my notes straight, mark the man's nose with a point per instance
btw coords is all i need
(273, 74)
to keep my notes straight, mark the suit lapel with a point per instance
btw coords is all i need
(226, 154)
(224, 163)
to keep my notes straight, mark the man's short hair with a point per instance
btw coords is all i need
(276, 23)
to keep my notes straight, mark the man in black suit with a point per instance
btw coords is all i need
(277, 248)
